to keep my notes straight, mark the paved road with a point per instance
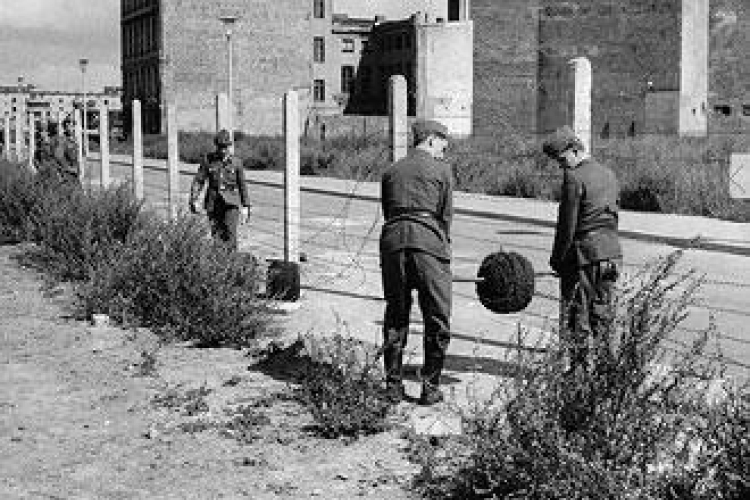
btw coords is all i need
(342, 291)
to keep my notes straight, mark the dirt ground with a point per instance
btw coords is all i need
(97, 412)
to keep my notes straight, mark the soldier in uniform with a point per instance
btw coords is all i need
(226, 195)
(586, 252)
(64, 151)
(417, 203)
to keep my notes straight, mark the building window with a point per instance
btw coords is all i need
(319, 9)
(319, 49)
(746, 110)
(364, 45)
(347, 79)
(348, 45)
(723, 110)
(319, 90)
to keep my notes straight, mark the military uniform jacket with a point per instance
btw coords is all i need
(65, 154)
(417, 203)
(587, 218)
(226, 182)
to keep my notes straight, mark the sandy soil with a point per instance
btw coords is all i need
(105, 413)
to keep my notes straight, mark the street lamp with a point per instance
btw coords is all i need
(229, 22)
(83, 63)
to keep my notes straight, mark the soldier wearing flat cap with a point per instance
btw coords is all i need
(586, 252)
(226, 200)
(415, 254)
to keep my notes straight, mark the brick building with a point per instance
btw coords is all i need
(176, 51)
(659, 66)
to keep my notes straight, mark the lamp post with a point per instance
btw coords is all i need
(83, 63)
(229, 22)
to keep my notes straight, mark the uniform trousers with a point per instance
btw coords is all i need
(402, 272)
(587, 313)
(224, 219)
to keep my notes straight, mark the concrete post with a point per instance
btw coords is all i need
(222, 111)
(104, 177)
(60, 118)
(19, 138)
(173, 161)
(6, 137)
(291, 177)
(78, 117)
(582, 100)
(137, 151)
(397, 113)
(32, 141)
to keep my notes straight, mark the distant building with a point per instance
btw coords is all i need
(52, 105)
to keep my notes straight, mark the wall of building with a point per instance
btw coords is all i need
(729, 78)
(634, 47)
(140, 49)
(445, 74)
(505, 66)
(272, 54)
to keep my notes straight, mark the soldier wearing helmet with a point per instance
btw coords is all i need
(226, 200)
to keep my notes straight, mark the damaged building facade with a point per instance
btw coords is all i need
(483, 67)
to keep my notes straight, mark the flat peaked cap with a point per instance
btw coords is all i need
(563, 138)
(222, 138)
(424, 128)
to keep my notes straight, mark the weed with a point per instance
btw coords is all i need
(171, 276)
(146, 367)
(245, 424)
(340, 382)
(189, 402)
(642, 429)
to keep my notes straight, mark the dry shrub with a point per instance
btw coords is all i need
(172, 277)
(338, 379)
(645, 428)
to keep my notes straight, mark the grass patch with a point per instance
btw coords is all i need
(649, 427)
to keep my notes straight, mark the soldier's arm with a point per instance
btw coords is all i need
(445, 210)
(198, 181)
(567, 219)
(244, 199)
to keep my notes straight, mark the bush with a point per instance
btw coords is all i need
(645, 428)
(19, 195)
(77, 231)
(172, 277)
(342, 385)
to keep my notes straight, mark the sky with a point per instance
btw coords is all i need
(43, 40)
